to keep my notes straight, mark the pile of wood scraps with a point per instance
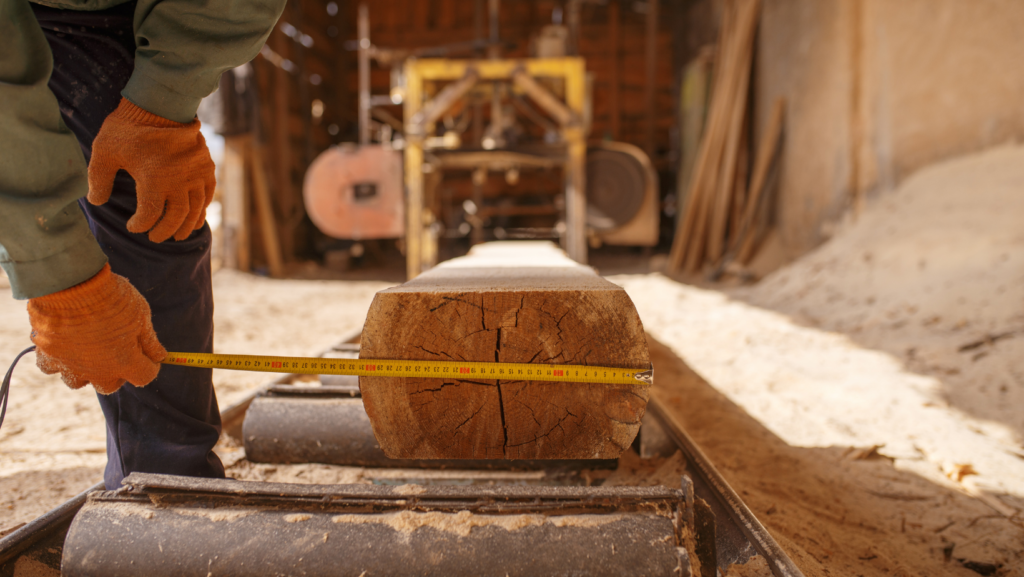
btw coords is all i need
(725, 214)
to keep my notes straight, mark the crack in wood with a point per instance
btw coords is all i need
(449, 300)
(438, 389)
(428, 351)
(476, 383)
(504, 426)
(501, 400)
(467, 335)
(459, 426)
(528, 408)
(557, 425)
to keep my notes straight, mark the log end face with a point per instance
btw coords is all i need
(486, 419)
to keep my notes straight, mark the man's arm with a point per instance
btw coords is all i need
(45, 242)
(183, 46)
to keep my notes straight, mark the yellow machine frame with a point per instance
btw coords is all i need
(420, 116)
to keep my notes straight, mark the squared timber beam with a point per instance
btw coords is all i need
(517, 302)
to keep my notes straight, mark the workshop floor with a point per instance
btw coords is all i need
(864, 400)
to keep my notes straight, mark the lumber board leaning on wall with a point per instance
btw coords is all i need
(509, 302)
(703, 234)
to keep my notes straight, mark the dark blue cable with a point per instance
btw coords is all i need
(6, 387)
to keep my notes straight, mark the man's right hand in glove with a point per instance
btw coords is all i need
(97, 332)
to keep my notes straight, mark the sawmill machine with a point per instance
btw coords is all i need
(488, 148)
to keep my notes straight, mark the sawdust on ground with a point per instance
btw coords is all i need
(463, 522)
(866, 400)
(52, 444)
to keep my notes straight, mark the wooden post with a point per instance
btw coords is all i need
(613, 61)
(650, 87)
(236, 203)
(363, 27)
(413, 174)
(282, 138)
(693, 111)
(576, 173)
(518, 302)
(265, 212)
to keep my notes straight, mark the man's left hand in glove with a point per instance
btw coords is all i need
(172, 168)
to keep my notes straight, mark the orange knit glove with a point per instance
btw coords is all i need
(173, 172)
(96, 332)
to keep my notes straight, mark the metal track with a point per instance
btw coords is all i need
(735, 523)
(738, 533)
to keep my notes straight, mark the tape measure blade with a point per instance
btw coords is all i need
(413, 369)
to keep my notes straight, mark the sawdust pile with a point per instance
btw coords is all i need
(865, 400)
(463, 522)
(303, 474)
(632, 471)
(755, 567)
(933, 275)
(28, 567)
(216, 515)
(409, 490)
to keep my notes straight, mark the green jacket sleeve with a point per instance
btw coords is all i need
(183, 46)
(45, 242)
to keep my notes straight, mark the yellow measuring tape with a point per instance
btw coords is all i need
(422, 369)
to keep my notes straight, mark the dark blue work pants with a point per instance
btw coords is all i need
(170, 425)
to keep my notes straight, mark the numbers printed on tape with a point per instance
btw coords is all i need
(424, 369)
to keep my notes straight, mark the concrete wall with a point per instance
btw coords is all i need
(879, 88)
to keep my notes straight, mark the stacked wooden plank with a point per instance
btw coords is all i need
(718, 219)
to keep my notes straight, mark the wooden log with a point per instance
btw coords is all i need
(510, 302)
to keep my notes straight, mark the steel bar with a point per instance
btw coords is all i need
(25, 536)
(363, 26)
(151, 481)
(327, 425)
(718, 492)
(495, 160)
(543, 97)
(433, 109)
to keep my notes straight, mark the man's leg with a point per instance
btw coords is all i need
(171, 425)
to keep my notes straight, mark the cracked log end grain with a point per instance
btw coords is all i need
(526, 303)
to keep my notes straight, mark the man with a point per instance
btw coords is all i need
(113, 281)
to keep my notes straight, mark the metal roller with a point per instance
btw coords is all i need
(328, 425)
(161, 525)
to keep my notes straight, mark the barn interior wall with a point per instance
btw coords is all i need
(310, 59)
(878, 89)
